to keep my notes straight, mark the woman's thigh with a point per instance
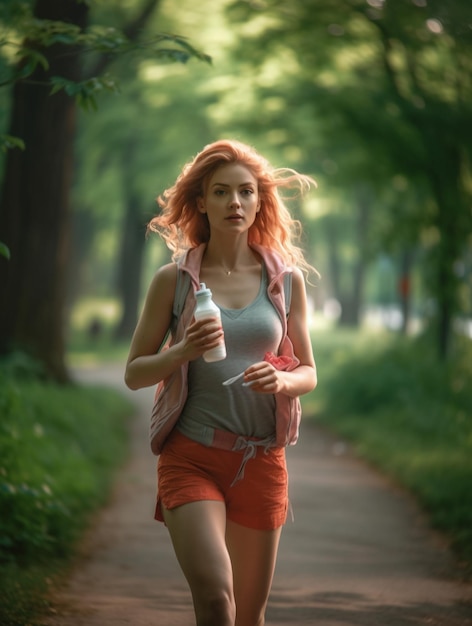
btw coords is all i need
(197, 530)
(253, 555)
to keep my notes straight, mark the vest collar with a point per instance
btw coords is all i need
(192, 260)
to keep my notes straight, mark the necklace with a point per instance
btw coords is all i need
(227, 272)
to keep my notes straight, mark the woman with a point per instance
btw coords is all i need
(222, 478)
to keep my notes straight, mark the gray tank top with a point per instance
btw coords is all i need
(249, 333)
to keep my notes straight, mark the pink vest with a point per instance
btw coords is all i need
(171, 393)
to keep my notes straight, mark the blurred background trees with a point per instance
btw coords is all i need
(59, 53)
(371, 97)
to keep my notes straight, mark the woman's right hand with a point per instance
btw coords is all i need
(200, 336)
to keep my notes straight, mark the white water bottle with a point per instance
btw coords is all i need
(207, 308)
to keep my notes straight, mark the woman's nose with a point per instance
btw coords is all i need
(234, 200)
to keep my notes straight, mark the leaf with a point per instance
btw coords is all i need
(184, 51)
(4, 250)
(33, 58)
(84, 92)
(172, 54)
(8, 142)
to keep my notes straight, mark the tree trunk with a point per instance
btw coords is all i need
(352, 302)
(131, 254)
(34, 210)
(130, 270)
(404, 288)
(453, 224)
(334, 261)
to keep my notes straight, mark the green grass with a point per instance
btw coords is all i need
(59, 449)
(406, 413)
(25, 590)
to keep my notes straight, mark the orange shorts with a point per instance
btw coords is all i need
(188, 471)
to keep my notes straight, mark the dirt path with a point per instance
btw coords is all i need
(358, 552)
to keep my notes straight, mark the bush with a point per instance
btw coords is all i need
(409, 414)
(59, 447)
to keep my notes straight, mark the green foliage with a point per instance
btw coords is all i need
(85, 91)
(24, 593)
(97, 40)
(8, 142)
(409, 415)
(4, 250)
(386, 86)
(58, 447)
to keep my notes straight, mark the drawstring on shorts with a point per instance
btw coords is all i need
(250, 451)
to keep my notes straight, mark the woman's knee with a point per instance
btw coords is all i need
(258, 620)
(215, 607)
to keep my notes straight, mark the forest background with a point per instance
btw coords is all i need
(102, 102)
(372, 98)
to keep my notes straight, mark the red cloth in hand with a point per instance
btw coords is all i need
(279, 362)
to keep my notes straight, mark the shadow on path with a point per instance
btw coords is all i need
(358, 552)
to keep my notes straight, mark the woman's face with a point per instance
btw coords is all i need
(231, 199)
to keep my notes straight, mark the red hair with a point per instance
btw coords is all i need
(182, 226)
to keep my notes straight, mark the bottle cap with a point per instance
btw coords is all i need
(203, 291)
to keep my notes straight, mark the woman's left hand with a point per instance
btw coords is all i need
(263, 378)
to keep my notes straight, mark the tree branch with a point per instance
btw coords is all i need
(131, 31)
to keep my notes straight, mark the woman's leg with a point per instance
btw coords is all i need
(198, 531)
(253, 555)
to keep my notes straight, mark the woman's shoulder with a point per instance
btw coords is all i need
(164, 281)
(297, 275)
(298, 280)
(167, 271)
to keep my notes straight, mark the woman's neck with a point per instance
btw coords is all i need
(228, 256)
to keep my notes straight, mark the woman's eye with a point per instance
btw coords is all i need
(219, 192)
(248, 192)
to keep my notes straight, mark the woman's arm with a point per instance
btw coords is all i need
(145, 365)
(303, 378)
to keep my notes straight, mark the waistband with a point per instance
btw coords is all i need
(225, 440)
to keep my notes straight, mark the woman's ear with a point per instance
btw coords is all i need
(200, 205)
